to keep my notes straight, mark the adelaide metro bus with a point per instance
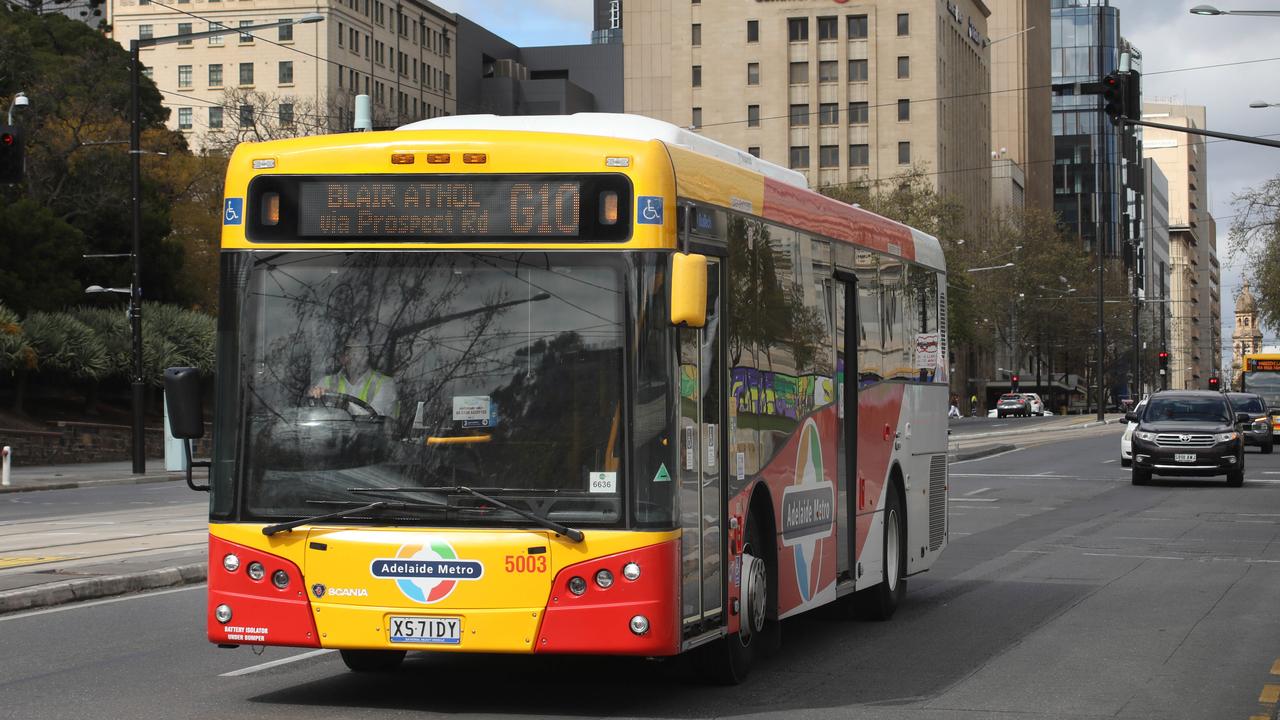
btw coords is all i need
(590, 384)
(1261, 375)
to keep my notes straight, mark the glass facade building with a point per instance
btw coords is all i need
(1094, 191)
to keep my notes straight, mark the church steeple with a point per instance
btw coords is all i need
(1247, 337)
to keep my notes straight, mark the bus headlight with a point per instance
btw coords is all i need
(631, 571)
(577, 585)
(222, 613)
(255, 571)
(604, 579)
(280, 579)
(231, 562)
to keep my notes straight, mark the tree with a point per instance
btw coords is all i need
(256, 116)
(1255, 238)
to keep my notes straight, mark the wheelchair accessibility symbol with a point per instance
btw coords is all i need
(649, 210)
(234, 212)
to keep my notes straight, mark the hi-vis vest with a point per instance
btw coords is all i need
(372, 384)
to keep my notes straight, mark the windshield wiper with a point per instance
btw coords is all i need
(380, 505)
(571, 533)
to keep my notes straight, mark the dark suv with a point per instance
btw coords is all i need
(1188, 432)
(1257, 431)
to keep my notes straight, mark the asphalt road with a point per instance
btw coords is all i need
(972, 425)
(82, 501)
(1066, 593)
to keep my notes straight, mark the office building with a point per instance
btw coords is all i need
(1021, 104)
(1195, 283)
(858, 92)
(1096, 177)
(298, 79)
(1154, 270)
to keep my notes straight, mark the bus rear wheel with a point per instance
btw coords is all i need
(728, 661)
(372, 661)
(880, 601)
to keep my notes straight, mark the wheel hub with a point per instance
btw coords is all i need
(755, 594)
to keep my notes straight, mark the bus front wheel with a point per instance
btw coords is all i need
(728, 661)
(371, 661)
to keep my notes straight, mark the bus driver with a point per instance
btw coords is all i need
(356, 378)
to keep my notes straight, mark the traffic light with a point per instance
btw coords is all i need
(1133, 94)
(1214, 383)
(1113, 96)
(11, 160)
(1164, 359)
(1013, 383)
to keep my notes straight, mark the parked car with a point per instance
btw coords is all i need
(1126, 440)
(1188, 432)
(1257, 431)
(1034, 403)
(1012, 404)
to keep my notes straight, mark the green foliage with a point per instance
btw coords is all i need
(63, 344)
(38, 257)
(1255, 237)
(15, 352)
(176, 337)
(111, 325)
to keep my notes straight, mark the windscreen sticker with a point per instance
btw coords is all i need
(603, 482)
(662, 475)
(472, 410)
(233, 211)
(649, 210)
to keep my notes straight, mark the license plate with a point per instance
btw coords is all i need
(431, 630)
(1185, 457)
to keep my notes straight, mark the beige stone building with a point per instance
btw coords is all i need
(1195, 305)
(1021, 104)
(294, 80)
(1247, 336)
(859, 91)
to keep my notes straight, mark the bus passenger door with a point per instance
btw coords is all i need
(700, 466)
(845, 301)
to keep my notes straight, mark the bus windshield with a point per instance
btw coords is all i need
(375, 370)
(1265, 383)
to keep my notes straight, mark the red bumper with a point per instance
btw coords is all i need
(261, 613)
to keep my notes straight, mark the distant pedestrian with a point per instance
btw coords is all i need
(973, 405)
(954, 412)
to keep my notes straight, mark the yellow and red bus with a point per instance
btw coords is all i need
(1261, 375)
(590, 384)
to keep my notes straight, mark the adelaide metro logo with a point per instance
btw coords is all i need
(427, 573)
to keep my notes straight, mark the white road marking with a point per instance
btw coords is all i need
(969, 499)
(275, 663)
(92, 603)
(989, 457)
(1034, 552)
(1070, 477)
(1104, 462)
(979, 491)
(1136, 557)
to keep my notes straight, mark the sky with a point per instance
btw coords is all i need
(1170, 38)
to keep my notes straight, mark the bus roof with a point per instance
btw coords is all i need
(615, 125)
(789, 198)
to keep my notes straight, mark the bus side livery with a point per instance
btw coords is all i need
(589, 384)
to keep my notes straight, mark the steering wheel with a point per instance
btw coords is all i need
(340, 401)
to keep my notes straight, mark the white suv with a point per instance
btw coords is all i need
(1035, 406)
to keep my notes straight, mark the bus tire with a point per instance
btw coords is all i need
(372, 661)
(728, 661)
(881, 600)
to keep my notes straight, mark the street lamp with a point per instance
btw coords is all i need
(1211, 10)
(135, 181)
(19, 101)
(1260, 104)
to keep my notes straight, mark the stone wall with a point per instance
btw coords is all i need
(66, 443)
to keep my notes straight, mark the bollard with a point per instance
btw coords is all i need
(6, 456)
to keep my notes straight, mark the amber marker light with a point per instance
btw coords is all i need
(608, 208)
(438, 158)
(271, 208)
(401, 158)
(475, 158)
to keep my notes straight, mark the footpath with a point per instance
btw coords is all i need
(50, 556)
(144, 539)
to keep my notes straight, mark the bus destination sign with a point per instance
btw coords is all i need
(1264, 365)
(440, 207)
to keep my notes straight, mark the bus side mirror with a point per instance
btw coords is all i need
(182, 395)
(688, 289)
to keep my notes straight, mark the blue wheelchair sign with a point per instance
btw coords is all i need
(233, 214)
(649, 210)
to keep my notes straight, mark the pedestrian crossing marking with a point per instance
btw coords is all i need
(8, 562)
(1270, 693)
